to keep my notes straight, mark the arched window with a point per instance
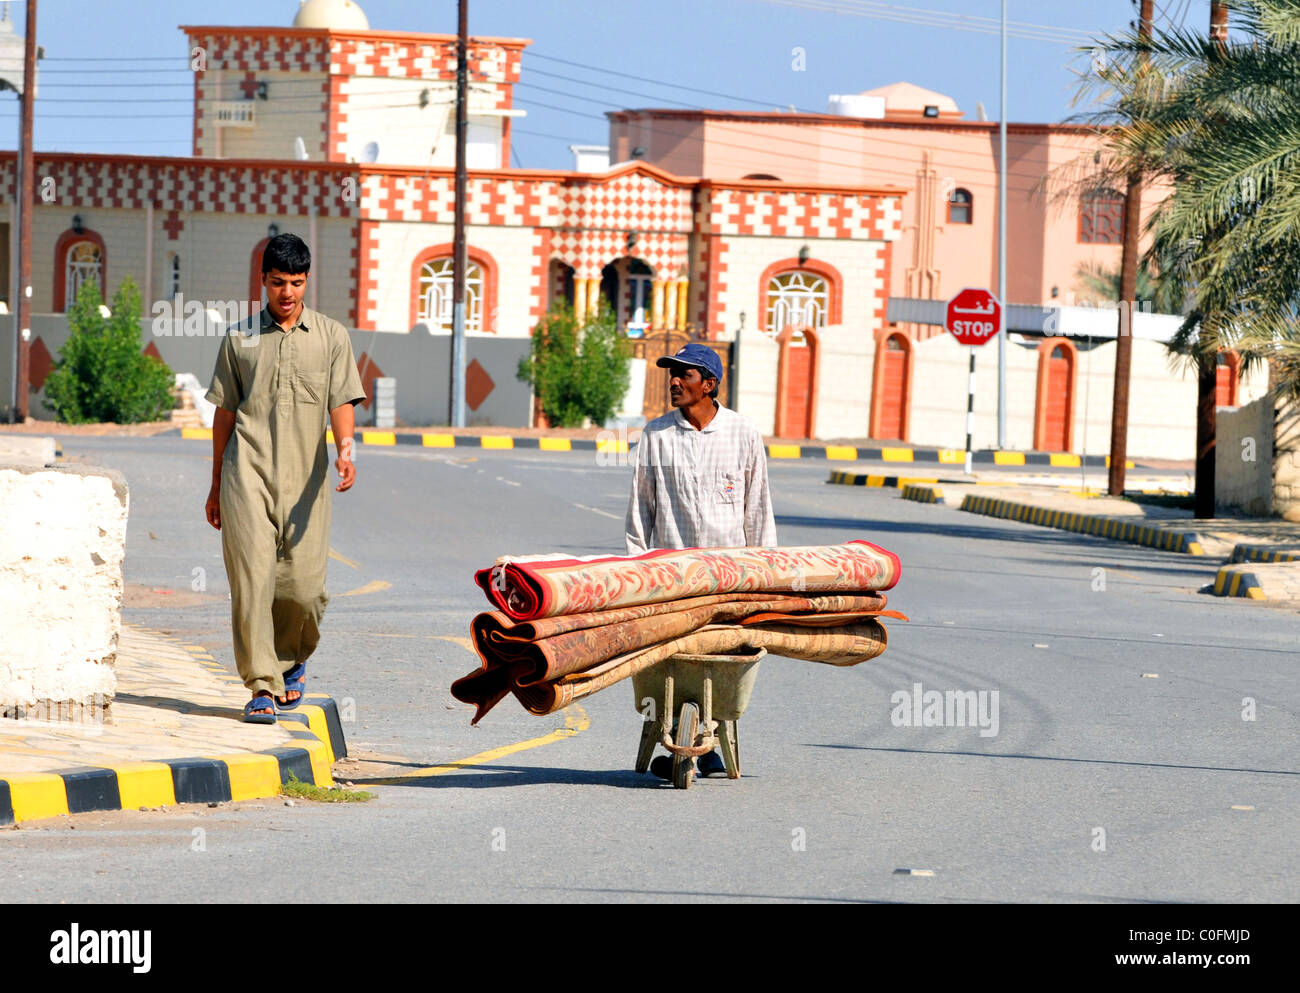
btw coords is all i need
(434, 296)
(796, 299)
(85, 265)
(960, 204)
(79, 257)
(1101, 218)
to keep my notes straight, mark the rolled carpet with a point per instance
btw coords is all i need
(528, 589)
(841, 646)
(519, 654)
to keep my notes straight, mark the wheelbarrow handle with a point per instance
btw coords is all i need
(692, 751)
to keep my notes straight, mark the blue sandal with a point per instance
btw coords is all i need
(259, 710)
(295, 679)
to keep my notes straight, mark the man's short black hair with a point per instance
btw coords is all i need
(288, 253)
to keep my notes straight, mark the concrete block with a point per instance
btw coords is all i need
(24, 450)
(62, 541)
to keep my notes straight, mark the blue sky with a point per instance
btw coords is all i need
(115, 77)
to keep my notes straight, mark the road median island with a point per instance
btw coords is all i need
(1067, 513)
(1278, 581)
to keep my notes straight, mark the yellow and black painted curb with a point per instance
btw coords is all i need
(240, 776)
(1263, 553)
(1238, 581)
(1117, 528)
(862, 479)
(922, 494)
(619, 445)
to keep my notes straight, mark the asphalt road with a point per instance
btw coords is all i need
(1122, 768)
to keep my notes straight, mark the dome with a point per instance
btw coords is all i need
(340, 15)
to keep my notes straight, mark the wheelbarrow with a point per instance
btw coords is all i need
(711, 692)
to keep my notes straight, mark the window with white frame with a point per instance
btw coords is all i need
(796, 299)
(85, 263)
(435, 296)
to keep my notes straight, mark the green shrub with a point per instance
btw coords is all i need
(577, 372)
(101, 373)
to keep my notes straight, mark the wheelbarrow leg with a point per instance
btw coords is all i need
(730, 743)
(650, 731)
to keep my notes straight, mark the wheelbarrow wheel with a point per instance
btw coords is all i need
(688, 729)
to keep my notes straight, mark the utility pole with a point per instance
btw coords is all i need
(25, 198)
(1002, 247)
(1207, 372)
(1127, 301)
(459, 255)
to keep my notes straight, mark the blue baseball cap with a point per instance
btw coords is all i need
(702, 357)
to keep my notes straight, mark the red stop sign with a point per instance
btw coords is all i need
(973, 316)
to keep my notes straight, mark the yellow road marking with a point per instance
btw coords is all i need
(463, 642)
(555, 444)
(783, 451)
(197, 434)
(439, 441)
(339, 558)
(374, 586)
(896, 455)
(575, 722)
(378, 438)
(952, 456)
(496, 441)
(1008, 458)
(844, 453)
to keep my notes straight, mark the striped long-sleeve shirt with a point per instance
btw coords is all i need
(700, 489)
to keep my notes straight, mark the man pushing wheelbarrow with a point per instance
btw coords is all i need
(699, 481)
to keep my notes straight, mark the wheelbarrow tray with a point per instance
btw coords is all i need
(733, 682)
(712, 691)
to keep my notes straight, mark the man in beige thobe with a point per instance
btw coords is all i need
(281, 376)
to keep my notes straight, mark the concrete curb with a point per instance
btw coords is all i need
(1237, 581)
(1262, 553)
(130, 785)
(860, 479)
(832, 453)
(922, 494)
(1117, 528)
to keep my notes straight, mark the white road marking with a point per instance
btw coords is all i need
(597, 510)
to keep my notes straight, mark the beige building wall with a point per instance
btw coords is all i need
(294, 107)
(756, 398)
(845, 375)
(1243, 459)
(511, 248)
(123, 232)
(387, 111)
(1162, 398)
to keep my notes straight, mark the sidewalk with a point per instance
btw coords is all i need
(173, 735)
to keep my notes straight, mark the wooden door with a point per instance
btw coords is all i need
(893, 388)
(1057, 398)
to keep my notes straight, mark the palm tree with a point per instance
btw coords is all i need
(1220, 121)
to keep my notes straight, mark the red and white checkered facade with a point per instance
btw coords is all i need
(795, 214)
(323, 102)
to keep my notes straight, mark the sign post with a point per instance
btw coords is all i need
(972, 317)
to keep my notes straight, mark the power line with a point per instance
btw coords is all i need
(942, 19)
(855, 162)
